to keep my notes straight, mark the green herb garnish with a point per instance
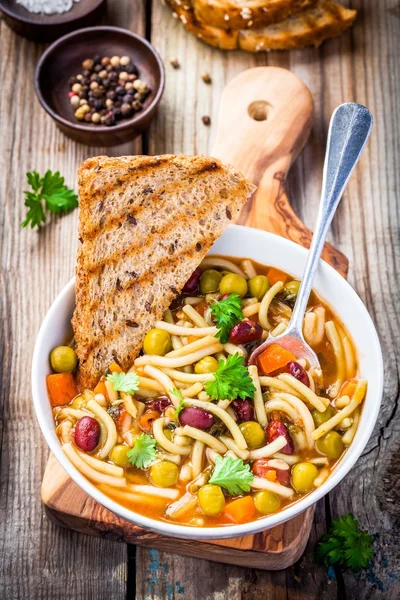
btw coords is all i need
(124, 382)
(226, 314)
(231, 380)
(181, 404)
(345, 544)
(58, 198)
(232, 474)
(143, 452)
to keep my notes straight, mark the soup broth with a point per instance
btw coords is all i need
(192, 434)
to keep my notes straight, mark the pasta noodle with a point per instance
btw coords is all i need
(197, 457)
(225, 418)
(265, 304)
(164, 442)
(304, 413)
(269, 449)
(248, 268)
(230, 444)
(193, 346)
(194, 316)
(333, 337)
(251, 310)
(174, 363)
(305, 392)
(348, 436)
(223, 264)
(105, 419)
(345, 412)
(196, 331)
(165, 381)
(282, 405)
(151, 490)
(260, 483)
(100, 465)
(88, 471)
(206, 438)
(258, 399)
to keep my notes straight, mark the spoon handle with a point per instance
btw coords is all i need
(349, 131)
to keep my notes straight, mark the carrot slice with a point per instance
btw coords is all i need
(61, 388)
(114, 368)
(101, 388)
(275, 275)
(274, 357)
(348, 389)
(271, 475)
(146, 420)
(241, 510)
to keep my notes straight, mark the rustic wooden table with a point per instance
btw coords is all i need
(39, 560)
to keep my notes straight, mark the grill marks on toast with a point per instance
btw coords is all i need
(145, 224)
(308, 28)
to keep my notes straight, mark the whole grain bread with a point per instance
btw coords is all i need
(309, 28)
(246, 14)
(145, 224)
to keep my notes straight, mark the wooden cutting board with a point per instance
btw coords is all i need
(264, 121)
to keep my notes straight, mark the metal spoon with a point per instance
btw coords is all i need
(349, 131)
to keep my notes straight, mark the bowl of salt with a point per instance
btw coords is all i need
(47, 20)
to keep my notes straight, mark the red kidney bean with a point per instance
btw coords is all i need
(244, 332)
(196, 417)
(275, 429)
(298, 372)
(159, 403)
(224, 297)
(243, 410)
(87, 433)
(192, 284)
(260, 467)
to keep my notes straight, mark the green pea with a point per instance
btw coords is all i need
(209, 281)
(164, 473)
(63, 359)
(253, 433)
(322, 417)
(259, 286)
(331, 444)
(290, 291)
(211, 499)
(79, 402)
(233, 283)
(119, 455)
(303, 475)
(266, 502)
(157, 341)
(208, 364)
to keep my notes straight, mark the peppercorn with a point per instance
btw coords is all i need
(94, 85)
(103, 74)
(106, 83)
(105, 61)
(206, 120)
(206, 77)
(126, 110)
(97, 68)
(76, 87)
(74, 101)
(140, 86)
(132, 77)
(82, 101)
(123, 75)
(128, 98)
(131, 69)
(125, 60)
(115, 61)
(174, 63)
(119, 90)
(71, 81)
(98, 104)
(95, 117)
(88, 117)
(137, 105)
(86, 73)
(109, 120)
(97, 59)
(109, 102)
(79, 77)
(117, 113)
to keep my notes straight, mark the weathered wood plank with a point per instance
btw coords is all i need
(37, 559)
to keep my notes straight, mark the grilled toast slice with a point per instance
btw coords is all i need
(247, 14)
(145, 224)
(309, 28)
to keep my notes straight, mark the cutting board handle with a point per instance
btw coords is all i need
(265, 118)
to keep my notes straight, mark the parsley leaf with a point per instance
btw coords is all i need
(124, 382)
(232, 474)
(58, 198)
(231, 380)
(181, 404)
(227, 313)
(143, 452)
(345, 544)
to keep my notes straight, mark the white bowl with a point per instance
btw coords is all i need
(268, 249)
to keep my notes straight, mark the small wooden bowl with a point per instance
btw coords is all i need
(63, 59)
(46, 28)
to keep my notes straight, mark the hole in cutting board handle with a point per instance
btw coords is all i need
(258, 110)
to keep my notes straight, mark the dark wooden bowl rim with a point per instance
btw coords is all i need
(47, 20)
(127, 124)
